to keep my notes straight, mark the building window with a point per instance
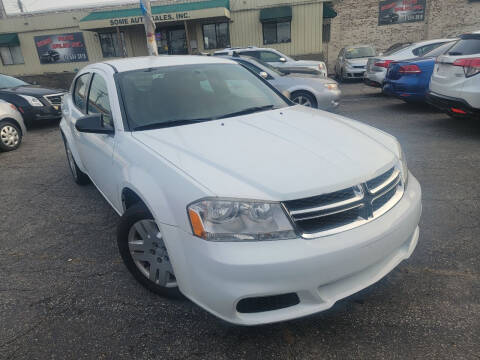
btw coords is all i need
(276, 32)
(11, 55)
(216, 36)
(111, 46)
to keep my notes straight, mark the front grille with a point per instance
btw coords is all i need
(359, 67)
(54, 99)
(338, 211)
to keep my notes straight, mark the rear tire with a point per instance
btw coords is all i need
(78, 175)
(144, 253)
(10, 135)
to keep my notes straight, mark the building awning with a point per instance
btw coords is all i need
(276, 13)
(328, 12)
(9, 40)
(161, 13)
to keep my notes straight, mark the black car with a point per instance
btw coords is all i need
(35, 103)
(50, 56)
(389, 18)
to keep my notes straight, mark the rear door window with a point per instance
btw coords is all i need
(80, 91)
(420, 51)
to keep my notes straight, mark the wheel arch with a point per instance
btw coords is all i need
(15, 122)
(304, 91)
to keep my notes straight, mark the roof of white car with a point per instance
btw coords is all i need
(146, 62)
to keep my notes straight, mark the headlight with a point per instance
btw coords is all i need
(403, 164)
(239, 220)
(331, 86)
(321, 66)
(32, 100)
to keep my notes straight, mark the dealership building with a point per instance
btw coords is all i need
(37, 45)
(65, 41)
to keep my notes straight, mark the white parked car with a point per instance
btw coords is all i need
(257, 209)
(275, 58)
(455, 82)
(377, 66)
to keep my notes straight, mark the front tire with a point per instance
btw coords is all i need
(144, 253)
(304, 98)
(10, 135)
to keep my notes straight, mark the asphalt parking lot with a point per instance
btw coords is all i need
(64, 292)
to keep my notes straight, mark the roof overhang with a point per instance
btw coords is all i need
(161, 14)
(280, 13)
(9, 39)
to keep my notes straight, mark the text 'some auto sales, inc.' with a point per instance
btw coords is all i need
(61, 48)
(401, 11)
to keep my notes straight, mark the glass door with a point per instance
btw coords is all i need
(177, 42)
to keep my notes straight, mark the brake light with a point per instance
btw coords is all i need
(458, 111)
(384, 63)
(470, 66)
(409, 69)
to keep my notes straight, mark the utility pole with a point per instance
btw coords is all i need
(3, 14)
(20, 6)
(146, 8)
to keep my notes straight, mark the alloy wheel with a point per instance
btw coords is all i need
(9, 136)
(148, 251)
(302, 100)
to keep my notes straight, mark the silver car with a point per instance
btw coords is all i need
(12, 127)
(352, 62)
(275, 58)
(305, 89)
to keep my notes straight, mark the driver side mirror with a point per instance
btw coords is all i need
(264, 75)
(282, 59)
(93, 124)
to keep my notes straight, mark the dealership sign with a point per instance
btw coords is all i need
(63, 48)
(401, 11)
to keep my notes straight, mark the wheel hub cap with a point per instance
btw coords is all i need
(149, 253)
(301, 100)
(9, 136)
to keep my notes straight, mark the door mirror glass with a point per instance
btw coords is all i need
(263, 74)
(282, 59)
(93, 124)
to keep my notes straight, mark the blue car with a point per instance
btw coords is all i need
(409, 80)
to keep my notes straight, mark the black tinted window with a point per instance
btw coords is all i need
(98, 101)
(466, 47)
(80, 91)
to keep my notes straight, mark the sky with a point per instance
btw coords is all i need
(11, 6)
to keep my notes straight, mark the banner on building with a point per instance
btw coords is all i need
(63, 48)
(401, 11)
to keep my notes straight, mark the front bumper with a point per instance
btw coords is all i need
(354, 73)
(451, 105)
(39, 113)
(328, 100)
(321, 271)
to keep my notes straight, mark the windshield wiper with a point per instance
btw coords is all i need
(168, 124)
(247, 111)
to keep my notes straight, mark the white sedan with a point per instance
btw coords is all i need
(255, 208)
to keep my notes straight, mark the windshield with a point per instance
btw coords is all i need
(359, 52)
(9, 82)
(396, 49)
(438, 50)
(180, 95)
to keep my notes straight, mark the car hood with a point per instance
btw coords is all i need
(358, 62)
(32, 90)
(304, 63)
(277, 155)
